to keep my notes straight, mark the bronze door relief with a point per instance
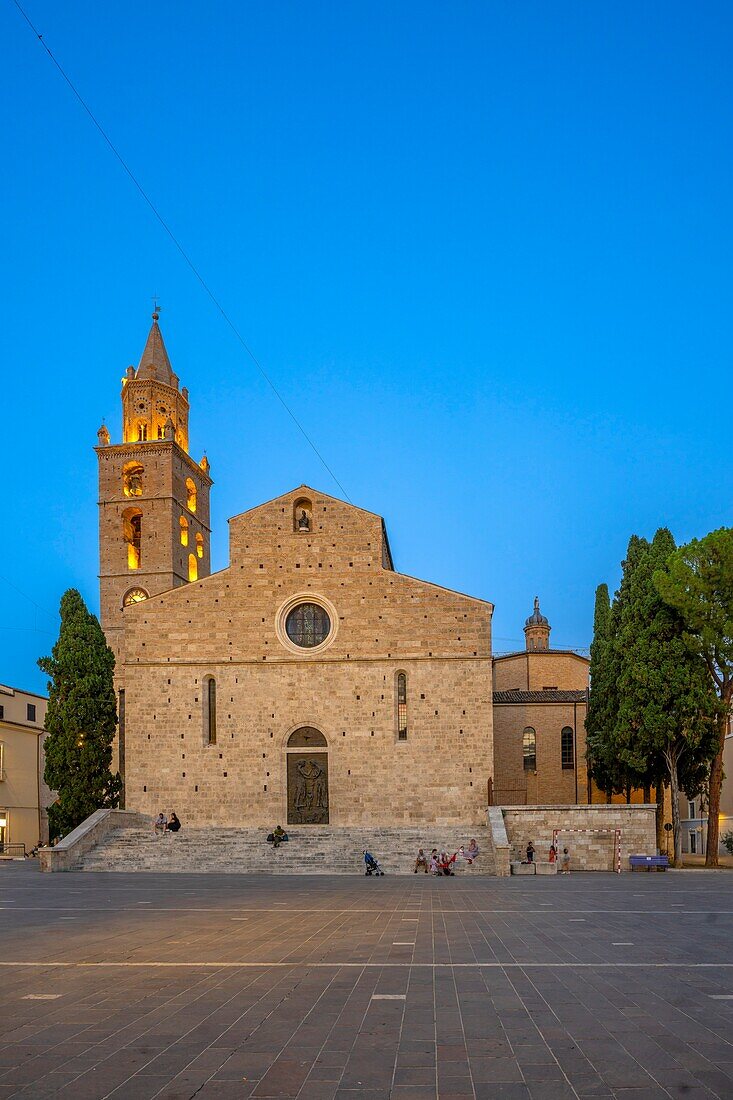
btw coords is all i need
(307, 788)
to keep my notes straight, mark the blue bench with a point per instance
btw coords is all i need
(648, 863)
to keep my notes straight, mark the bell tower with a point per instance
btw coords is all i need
(154, 529)
(537, 629)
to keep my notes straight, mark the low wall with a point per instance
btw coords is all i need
(588, 832)
(67, 854)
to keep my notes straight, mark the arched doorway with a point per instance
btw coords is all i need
(307, 762)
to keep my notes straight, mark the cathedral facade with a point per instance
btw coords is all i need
(307, 683)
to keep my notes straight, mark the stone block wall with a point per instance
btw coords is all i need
(587, 832)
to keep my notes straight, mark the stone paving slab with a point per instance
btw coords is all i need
(143, 987)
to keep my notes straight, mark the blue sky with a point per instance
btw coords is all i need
(484, 251)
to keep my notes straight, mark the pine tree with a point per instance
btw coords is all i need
(697, 582)
(80, 719)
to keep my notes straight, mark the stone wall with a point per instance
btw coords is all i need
(589, 851)
(229, 626)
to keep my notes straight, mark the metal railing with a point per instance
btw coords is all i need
(506, 796)
(12, 851)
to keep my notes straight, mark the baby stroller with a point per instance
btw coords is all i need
(372, 865)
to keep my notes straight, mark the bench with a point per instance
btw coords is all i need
(648, 863)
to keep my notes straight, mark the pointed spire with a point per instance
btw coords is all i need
(154, 361)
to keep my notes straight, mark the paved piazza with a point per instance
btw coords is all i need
(216, 987)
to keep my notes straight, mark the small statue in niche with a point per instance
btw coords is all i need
(304, 524)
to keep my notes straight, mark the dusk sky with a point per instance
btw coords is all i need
(483, 250)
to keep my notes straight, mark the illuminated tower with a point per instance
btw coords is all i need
(153, 498)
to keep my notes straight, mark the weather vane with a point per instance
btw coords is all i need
(156, 307)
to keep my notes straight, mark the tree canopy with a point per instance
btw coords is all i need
(80, 719)
(697, 581)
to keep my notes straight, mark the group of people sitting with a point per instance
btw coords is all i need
(163, 824)
(440, 863)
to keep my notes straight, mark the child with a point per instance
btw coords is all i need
(565, 862)
(553, 854)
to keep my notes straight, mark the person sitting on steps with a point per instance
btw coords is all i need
(160, 824)
(173, 823)
(421, 861)
(278, 836)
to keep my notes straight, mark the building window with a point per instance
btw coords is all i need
(693, 842)
(2, 760)
(401, 706)
(142, 433)
(307, 625)
(210, 711)
(132, 522)
(567, 748)
(691, 810)
(529, 749)
(31, 711)
(199, 545)
(193, 568)
(190, 495)
(2, 711)
(184, 531)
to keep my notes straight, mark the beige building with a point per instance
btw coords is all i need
(24, 797)
(693, 811)
(540, 698)
(308, 682)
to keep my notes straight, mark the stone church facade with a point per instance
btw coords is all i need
(308, 682)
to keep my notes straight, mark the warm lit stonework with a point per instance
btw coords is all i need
(308, 682)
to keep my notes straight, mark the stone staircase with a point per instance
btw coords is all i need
(310, 851)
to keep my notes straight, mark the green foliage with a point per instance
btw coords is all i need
(665, 704)
(728, 841)
(697, 582)
(80, 719)
(603, 702)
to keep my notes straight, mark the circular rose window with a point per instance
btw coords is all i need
(307, 625)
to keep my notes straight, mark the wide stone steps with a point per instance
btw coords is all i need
(310, 851)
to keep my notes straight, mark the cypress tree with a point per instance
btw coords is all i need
(665, 721)
(80, 719)
(603, 700)
(613, 772)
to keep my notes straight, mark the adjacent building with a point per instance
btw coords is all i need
(540, 697)
(24, 797)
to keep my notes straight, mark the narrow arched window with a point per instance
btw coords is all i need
(193, 568)
(190, 495)
(401, 706)
(529, 749)
(210, 711)
(184, 531)
(132, 526)
(142, 433)
(567, 748)
(199, 545)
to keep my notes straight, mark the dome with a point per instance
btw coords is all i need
(537, 618)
